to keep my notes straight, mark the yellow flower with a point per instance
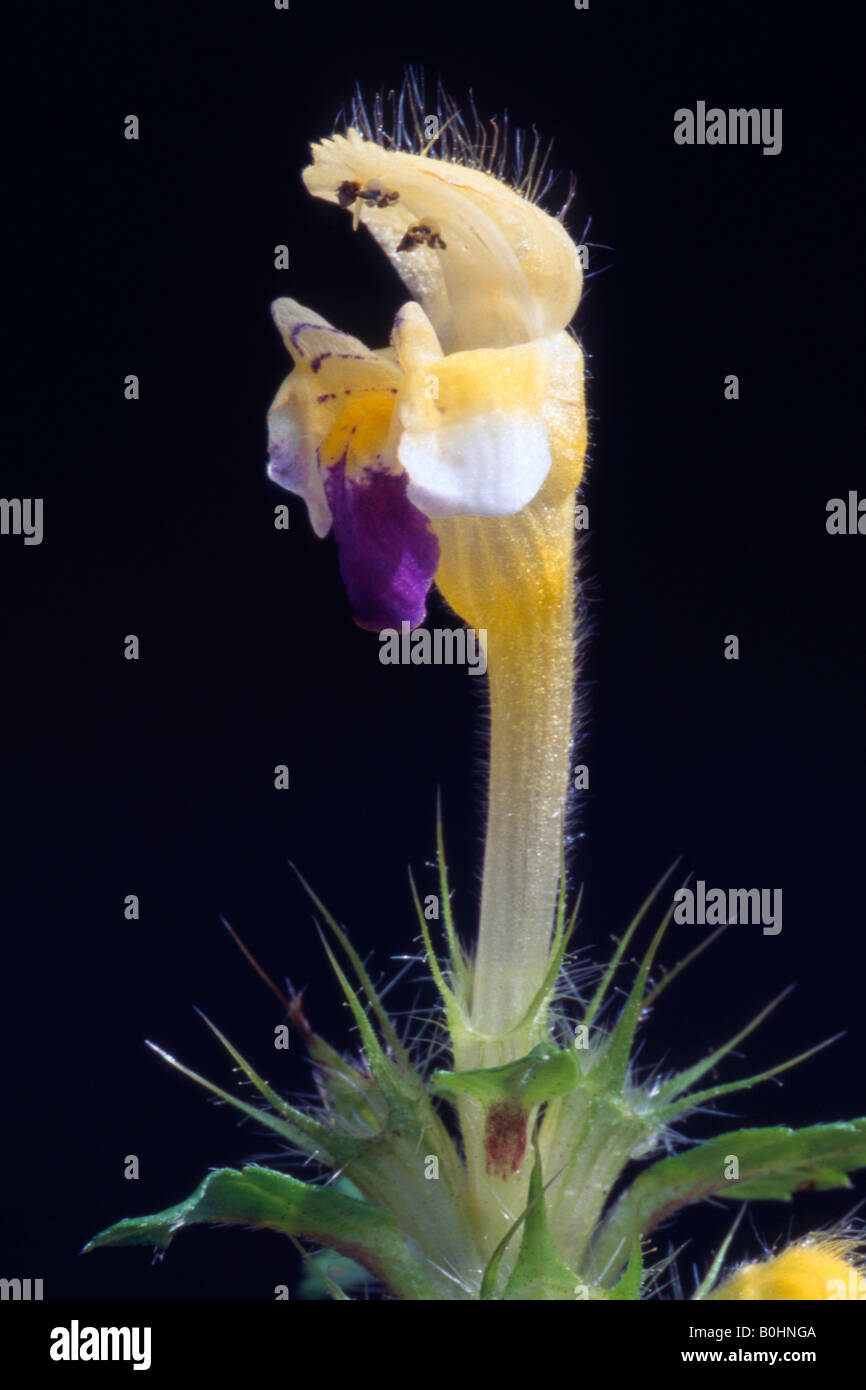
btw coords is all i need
(819, 1267)
(417, 452)
(454, 454)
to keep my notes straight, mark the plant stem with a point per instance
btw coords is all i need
(513, 578)
(531, 684)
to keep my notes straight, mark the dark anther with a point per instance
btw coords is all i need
(347, 193)
(373, 192)
(421, 234)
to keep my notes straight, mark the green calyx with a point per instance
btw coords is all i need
(554, 1130)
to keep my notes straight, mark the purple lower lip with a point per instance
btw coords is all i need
(387, 551)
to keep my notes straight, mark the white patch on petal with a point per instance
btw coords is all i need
(469, 428)
(489, 465)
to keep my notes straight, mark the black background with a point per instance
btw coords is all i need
(707, 518)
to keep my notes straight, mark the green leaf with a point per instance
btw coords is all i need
(300, 1129)
(546, 1072)
(613, 965)
(539, 1275)
(618, 1049)
(709, 1280)
(261, 1197)
(628, 1286)
(667, 1113)
(561, 938)
(328, 1274)
(668, 978)
(772, 1163)
(399, 1088)
(453, 1008)
(358, 966)
(460, 968)
(685, 1080)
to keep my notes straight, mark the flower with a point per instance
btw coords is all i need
(475, 411)
(454, 454)
(817, 1268)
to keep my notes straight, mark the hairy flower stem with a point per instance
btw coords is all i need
(514, 578)
(531, 681)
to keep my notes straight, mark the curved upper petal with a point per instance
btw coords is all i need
(495, 269)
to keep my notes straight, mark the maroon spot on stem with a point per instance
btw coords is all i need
(328, 396)
(505, 1138)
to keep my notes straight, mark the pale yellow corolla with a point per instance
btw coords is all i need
(454, 452)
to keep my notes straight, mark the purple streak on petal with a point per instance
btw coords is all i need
(388, 552)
